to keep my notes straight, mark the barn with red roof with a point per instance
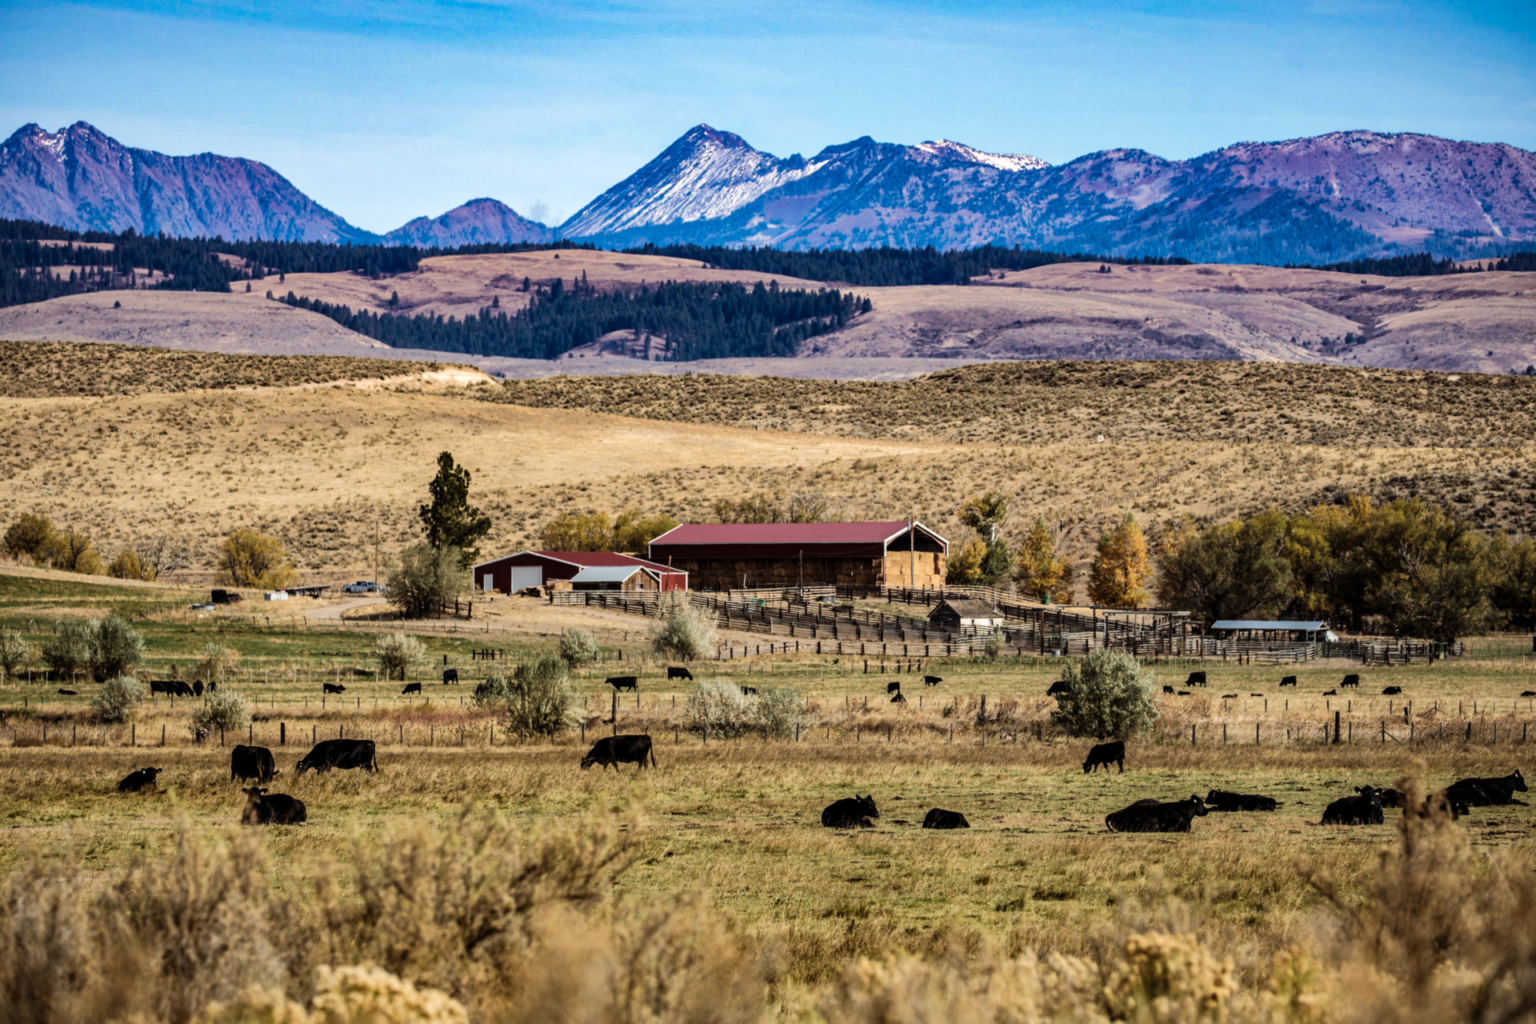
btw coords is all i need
(725, 556)
(575, 570)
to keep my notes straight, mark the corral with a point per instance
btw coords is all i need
(725, 556)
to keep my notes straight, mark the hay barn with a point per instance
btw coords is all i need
(726, 556)
(575, 570)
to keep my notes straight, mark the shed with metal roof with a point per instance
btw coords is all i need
(1305, 630)
(584, 570)
(724, 556)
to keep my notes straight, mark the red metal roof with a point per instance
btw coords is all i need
(775, 540)
(585, 558)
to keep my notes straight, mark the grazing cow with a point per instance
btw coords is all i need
(262, 808)
(1363, 809)
(1528, 693)
(411, 688)
(1167, 689)
(1255, 695)
(344, 754)
(850, 811)
(678, 672)
(898, 699)
(450, 675)
(624, 683)
(1353, 679)
(932, 680)
(139, 781)
(332, 688)
(1156, 816)
(1105, 754)
(1288, 681)
(749, 691)
(197, 687)
(1330, 693)
(1229, 696)
(1221, 800)
(68, 693)
(1488, 792)
(940, 818)
(251, 763)
(1195, 679)
(617, 750)
(162, 686)
(1388, 691)
(1059, 688)
(893, 687)
(1183, 693)
(213, 687)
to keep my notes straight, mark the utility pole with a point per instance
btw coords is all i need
(375, 556)
(912, 544)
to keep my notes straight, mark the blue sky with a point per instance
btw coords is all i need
(384, 111)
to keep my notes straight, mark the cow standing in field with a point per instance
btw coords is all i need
(678, 672)
(893, 687)
(1488, 792)
(197, 687)
(139, 781)
(749, 691)
(411, 688)
(450, 675)
(251, 763)
(932, 680)
(68, 693)
(624, 683)
(1288, 681)
(1156, 816)
(849, 811)
(616, 750)
(262, 808)
(1060, 688)
(940, 818)
(1168, 689)
(1353, 679)
(1105, 754)
(1196, 679)
(343, 754)
(332, 688)
(1221, 800)
(1362, 809)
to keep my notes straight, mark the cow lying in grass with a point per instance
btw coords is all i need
(1157, 816)
(1221, 800)
(851, 811)
(1362, 809)
(263, 808)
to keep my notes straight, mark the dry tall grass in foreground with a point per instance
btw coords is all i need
(479, 920)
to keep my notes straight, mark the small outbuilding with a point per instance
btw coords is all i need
(967, 614)
(575, 570)
(1271, 630)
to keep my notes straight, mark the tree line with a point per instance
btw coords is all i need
(1422, 264)
(885, 266)
(686, 320)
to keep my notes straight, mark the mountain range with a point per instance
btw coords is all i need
(1331, 197)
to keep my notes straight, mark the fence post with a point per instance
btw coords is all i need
(1191, 735)
(1255, 733)
(1335, 727)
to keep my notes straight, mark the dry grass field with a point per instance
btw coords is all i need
(485, 866)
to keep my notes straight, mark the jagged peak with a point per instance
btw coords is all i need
(969, 154)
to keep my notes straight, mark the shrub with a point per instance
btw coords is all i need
(117, 699)
(995, 644)
(223, 709)
(15, 652)
(29, 537)
(399, 653)
(577, 647)
(717, 708)
(127, 565)
(780, 710)
(248, 558)
(492, 692)
(215, 663)
(116, 647)
(681, 630)
(540, 699)
(426, 579)
(1109, 694)
(68, 651)
(73, 552)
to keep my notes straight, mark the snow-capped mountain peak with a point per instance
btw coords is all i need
(966, 154)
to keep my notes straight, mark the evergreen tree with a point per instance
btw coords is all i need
(450, 520)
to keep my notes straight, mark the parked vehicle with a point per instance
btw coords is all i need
(227, 597)
(361, 587)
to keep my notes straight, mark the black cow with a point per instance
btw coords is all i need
(749, 691)
(139, 781)
(1444, 803)
(932, 680)
(450, 675)
(1221, 800)
(1392, 797)
(1156, 816)
(1059, 688)
(898, 699)
(1255, 695)
(213, 687)
(1183, 693)
(617, 750)
(1195, 679)
(940, 818)
(332, 688)
(1363, 809)
(411, 688)
(162, 686)
(262, 808)
(1488, 792)
(251, 763)
(1389, 691)
(624, 683)
(850, 811)
(197, 687)
(1105, 754)
(1288, 681)
(1330, 693)
(1229, 696)
(893, 687)
(1352, 679)
(1528, 693)
(328, 754)
(1167, 689)
(678, 672)
(68, 693)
